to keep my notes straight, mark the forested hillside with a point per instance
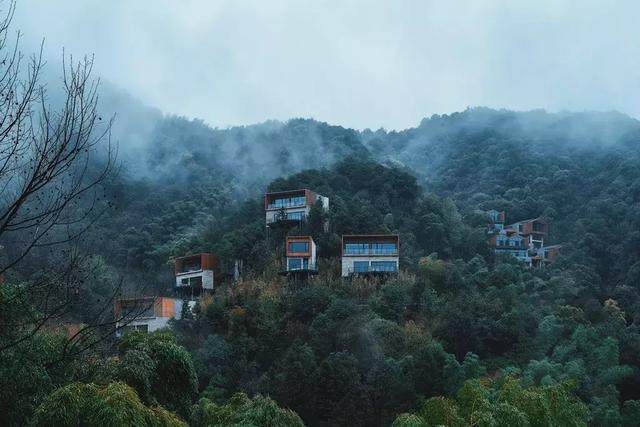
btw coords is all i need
(459, 337)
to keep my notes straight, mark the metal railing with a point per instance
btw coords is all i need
(304, 267)
(371, 269)
(370, 251)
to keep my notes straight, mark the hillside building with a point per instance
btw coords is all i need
(291, 206)
(197, 273)
(145, 314)
(301, 254)
(523, 240)
(370, 254)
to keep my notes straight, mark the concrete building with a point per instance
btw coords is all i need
(301, 255)
(291, 206)
(145, 314)
(524, 240)
(195, 273)
(370, 254)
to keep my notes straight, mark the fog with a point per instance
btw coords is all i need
(356, 64)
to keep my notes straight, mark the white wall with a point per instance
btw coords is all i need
(272, 214)
(347, 262)
(207, 278)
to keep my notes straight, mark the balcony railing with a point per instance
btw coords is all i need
(293, 202)
(370, 251)
(303, 267)
(372, 270)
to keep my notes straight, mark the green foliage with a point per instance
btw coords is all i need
(243, 411)
(360, 352)
(159, 369)
(116, 404)
(503, 402)
(28, 372)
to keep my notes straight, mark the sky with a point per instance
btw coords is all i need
(361, 64)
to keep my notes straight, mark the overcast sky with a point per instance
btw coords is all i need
(354, 63)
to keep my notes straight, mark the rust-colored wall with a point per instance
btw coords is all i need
(311, 197)
(307, 239)
(209, 261)
(165, 307)
(527, 227)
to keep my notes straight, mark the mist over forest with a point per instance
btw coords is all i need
(106, 202)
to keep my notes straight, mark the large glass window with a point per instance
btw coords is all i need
(384, 266)
(296, 216)
(361, 266)
(299, 247)
(356, 248)
(370, 249)
(288, 202)
(297, 263)
(383, 248)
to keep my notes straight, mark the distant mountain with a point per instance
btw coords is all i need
(558, 165)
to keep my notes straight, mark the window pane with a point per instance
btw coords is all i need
(295, 263)
(295, 215)
(383, 266)
(299, 247)
(361, 266)
(288, 202)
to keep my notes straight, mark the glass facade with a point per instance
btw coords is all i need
(384, 266)
(375, 266)
(299, 247)
(361, 266)
(288, 202)
(370, 249)
(297, 263)
(298, 216)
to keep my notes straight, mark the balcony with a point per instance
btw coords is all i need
(292, 202)
(372, 270)
(373, 249)
(303, 267)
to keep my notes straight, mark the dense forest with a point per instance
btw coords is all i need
(458, 337)
(99, 194)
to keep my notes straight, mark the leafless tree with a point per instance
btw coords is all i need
(53, 160)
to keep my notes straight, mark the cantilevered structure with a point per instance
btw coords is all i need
(195, 273)
(291, 206)
(301, 256)
(370, 254)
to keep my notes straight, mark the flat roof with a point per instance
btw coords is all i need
(191, 256)
(371, 237)
(286, 191)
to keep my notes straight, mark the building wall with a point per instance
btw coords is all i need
(165, 309)
(348, 262)
(207, 278)
(271, 215)
(152, 323)
(325, 202)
